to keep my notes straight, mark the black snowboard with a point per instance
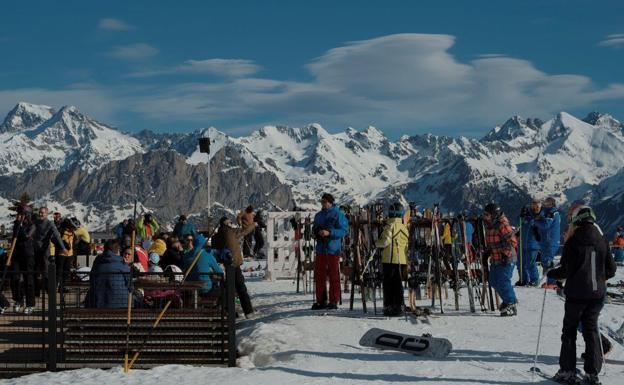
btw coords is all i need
(425, 345)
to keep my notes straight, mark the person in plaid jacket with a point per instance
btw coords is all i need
(501, 245)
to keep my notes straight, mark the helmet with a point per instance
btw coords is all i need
(75, 222)
(583, 214)
(573, 207)
(492, 209)
(154, 258)
(396, 210)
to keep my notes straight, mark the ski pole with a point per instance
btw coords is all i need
(539, 336)
(604, 361)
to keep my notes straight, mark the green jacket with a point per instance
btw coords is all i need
(143, 232)
(396, 234)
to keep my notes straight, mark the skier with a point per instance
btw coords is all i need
(258, 237)
(45, 232)
(501, 244)
(184, 227)
(618, 245)
(330, 226)
(549, 223)
(228, 237)
(586, 265)
(394, 242)
(245, 219)
(23, 282)
(65, 257)
(527, 268)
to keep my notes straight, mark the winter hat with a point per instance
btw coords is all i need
(396, 210)
(154, 258)
(583, 214)
(492, 209)
(159, 247)
(576, 204)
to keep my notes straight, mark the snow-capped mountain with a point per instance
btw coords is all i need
(25, 116)
(64, 139)
(564, 157)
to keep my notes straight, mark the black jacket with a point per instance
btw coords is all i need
(45, 231)
(586, 264)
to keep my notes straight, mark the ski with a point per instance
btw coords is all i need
(578, 380)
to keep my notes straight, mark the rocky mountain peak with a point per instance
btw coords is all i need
(26, 116)
(604, 120)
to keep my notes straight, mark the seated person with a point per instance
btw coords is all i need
(206, 263)
(110, 279)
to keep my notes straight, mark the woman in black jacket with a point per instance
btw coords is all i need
(586, 265)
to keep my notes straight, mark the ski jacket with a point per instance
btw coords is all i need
(172, 257)
(229, 238)
(146, 231)
(334, 221)
(447, 238)
(394, 241)
(207, 263)
(501, 241)
(618, 241)
(46, 232)
(245, 219)
(24, 245)
(109, 282)
(68, 239)
(531, 233)
(550, 228)
(469, 231)
(183, 229)
(586, 264)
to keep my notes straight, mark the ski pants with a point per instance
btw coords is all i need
(241, 290)
(63, 266)
(327, 265)
(258, 242)
(548, 260)
(527, 266)
(393, 275)
(585, 312)
(23, 282)
(500, 280)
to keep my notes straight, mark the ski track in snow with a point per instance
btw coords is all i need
(289, 344)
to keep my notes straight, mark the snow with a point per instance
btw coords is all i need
(289, 344)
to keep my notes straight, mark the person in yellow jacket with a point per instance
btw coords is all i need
(65, 258)
(447, 243)
(394, 242)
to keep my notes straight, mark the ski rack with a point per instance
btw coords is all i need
(285, 247)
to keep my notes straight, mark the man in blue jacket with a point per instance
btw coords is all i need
(527, 267)
(110, 279)
(550, 231)
(330, 226)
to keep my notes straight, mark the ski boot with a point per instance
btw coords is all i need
(508, 310)
(568, 377)
(319, 306)
(591, 379)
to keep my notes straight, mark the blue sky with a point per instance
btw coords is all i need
(446, 67)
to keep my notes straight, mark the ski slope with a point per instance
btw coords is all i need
(289, 344)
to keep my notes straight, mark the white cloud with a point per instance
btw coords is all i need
(233, 68)
(613, 41)
(136, 51)
(117, 25)
(400, 81)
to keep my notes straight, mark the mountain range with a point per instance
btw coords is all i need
(74, 163)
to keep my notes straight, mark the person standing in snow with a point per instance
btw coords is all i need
(550, 231)
(228, 237)
(586, 265)
(257, 235)
(245, 219)
(330, 226)
(501, 245)
(530, 234)
(394, 242)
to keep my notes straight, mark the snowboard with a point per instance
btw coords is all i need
(425, 346)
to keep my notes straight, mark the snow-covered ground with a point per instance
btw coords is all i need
(289, 344)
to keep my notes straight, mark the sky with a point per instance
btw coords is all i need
(406, 67)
